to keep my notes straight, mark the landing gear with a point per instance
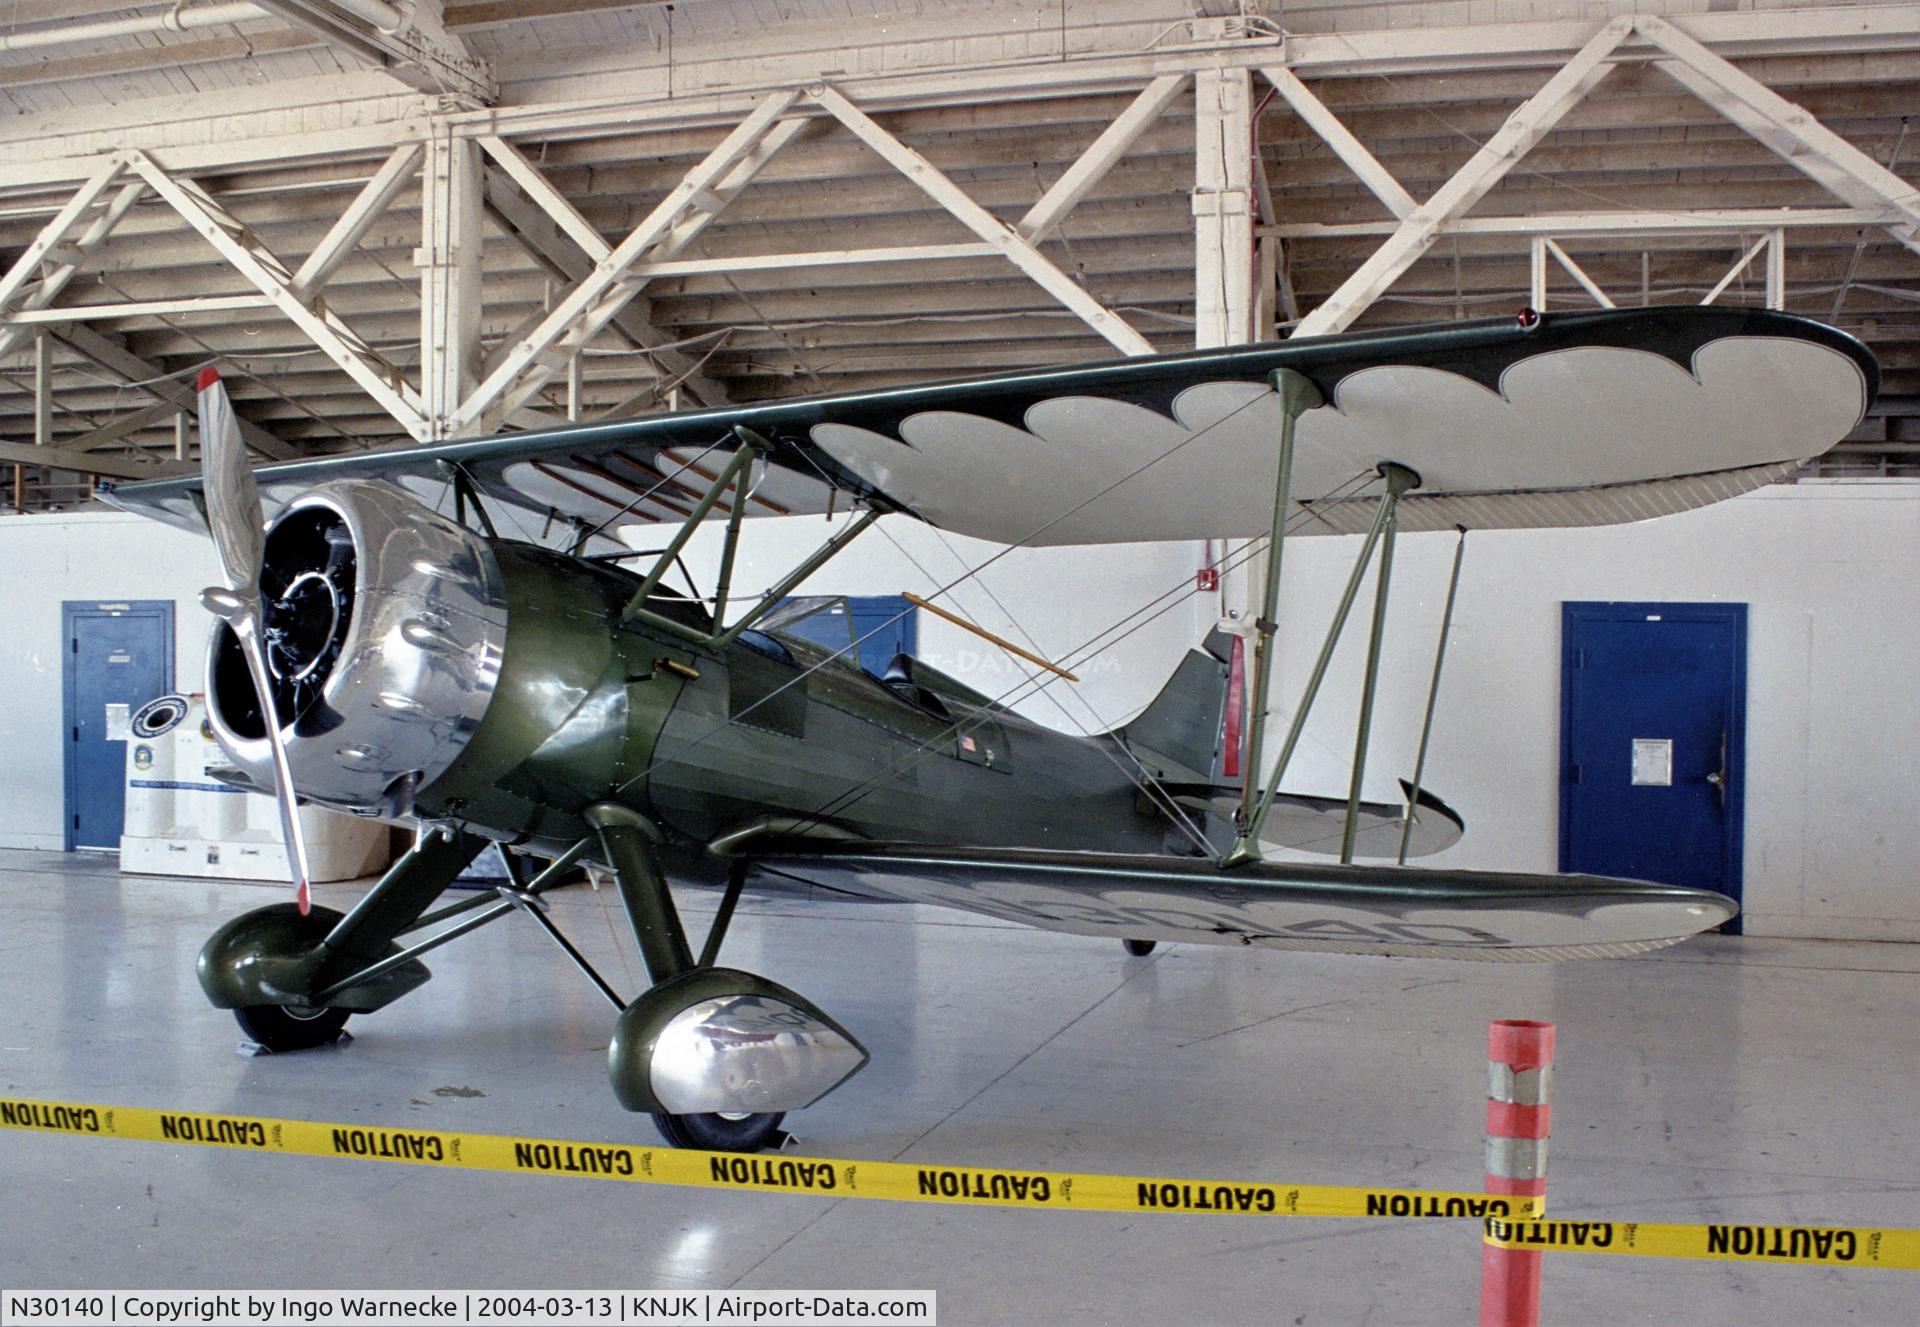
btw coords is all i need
(288, 1028)
(717, 1056)
(723, 1133)
(293, 980)
(1139, 948)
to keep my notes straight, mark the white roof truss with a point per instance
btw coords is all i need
(601, 284)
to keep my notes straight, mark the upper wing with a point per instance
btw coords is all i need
(1277, 905)
(1580, 419)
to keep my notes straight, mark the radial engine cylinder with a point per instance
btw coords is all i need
(385, 625)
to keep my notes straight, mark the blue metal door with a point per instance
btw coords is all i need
(117, 654)
(1652, 741)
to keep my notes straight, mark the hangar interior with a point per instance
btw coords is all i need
(400, 225)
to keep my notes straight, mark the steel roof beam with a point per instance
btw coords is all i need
(268, 134)
(231, 239)
(115, 429)
(87, 463)
(72, 313)
(1565, 224)
(1092, 165)
(338, 244)
(1791, 131)
(1018, 250)
(591, 304)
(1475, 48)
(113, 356)
(1365, 166)
(1421, 227)
(1223, 209)
(58, 228)
(410, 44)
(60, 259)
(532, 224)
(448, 259)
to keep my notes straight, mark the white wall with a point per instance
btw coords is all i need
(1050, 601)
(1828, 569)
(85, 556)
(1833, 718)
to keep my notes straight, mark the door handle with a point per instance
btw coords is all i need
(1720, 777)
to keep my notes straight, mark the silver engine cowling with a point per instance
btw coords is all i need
(384, 625)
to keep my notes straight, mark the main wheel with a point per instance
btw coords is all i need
(1139, 948)
(723, 1133)
(280, 1028)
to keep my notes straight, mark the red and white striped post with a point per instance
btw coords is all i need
(1519, 1065)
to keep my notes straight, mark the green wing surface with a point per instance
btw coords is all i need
(1572, 419)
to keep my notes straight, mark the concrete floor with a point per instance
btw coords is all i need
(1731, 1079)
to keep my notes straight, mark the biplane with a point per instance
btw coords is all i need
(464, 637)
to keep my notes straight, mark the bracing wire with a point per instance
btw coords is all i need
(1231, 561)
(1104, 639)
(1139, 775)
(1140, 469)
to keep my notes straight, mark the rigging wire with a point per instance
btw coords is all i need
(1231, 560)
(1140, 776)
(946, 588)
(664, 481)
(1148, 613)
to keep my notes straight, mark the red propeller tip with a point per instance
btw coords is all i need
(304, 898)
(208, 377)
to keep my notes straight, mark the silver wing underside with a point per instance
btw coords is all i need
(1479, 915)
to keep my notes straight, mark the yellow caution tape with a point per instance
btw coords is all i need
(822, 1176)
(1827, 1246)
(1824, 1246)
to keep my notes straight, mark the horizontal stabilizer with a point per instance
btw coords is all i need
(1318, 824)
(1480, 915)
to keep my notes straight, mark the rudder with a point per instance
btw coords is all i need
(1178, 736)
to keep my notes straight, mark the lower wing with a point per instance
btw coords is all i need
(1484, 915)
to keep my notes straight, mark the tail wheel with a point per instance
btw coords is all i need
(1139, 948)
(723, 1133)
(282, 1028)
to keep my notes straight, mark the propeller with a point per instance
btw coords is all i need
(239, 534)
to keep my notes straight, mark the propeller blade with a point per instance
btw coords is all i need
(226, 478)
(239, 534)
(282, 773)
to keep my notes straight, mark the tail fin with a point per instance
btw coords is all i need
(1177, 737)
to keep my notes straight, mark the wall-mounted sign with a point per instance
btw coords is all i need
(1653, 762)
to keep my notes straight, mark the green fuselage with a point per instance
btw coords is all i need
(708, 742)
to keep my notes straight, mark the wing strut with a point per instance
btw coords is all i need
(466, 497)
(752, 448)
(1297, 396)
(1399, 480)
(1433, 696)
